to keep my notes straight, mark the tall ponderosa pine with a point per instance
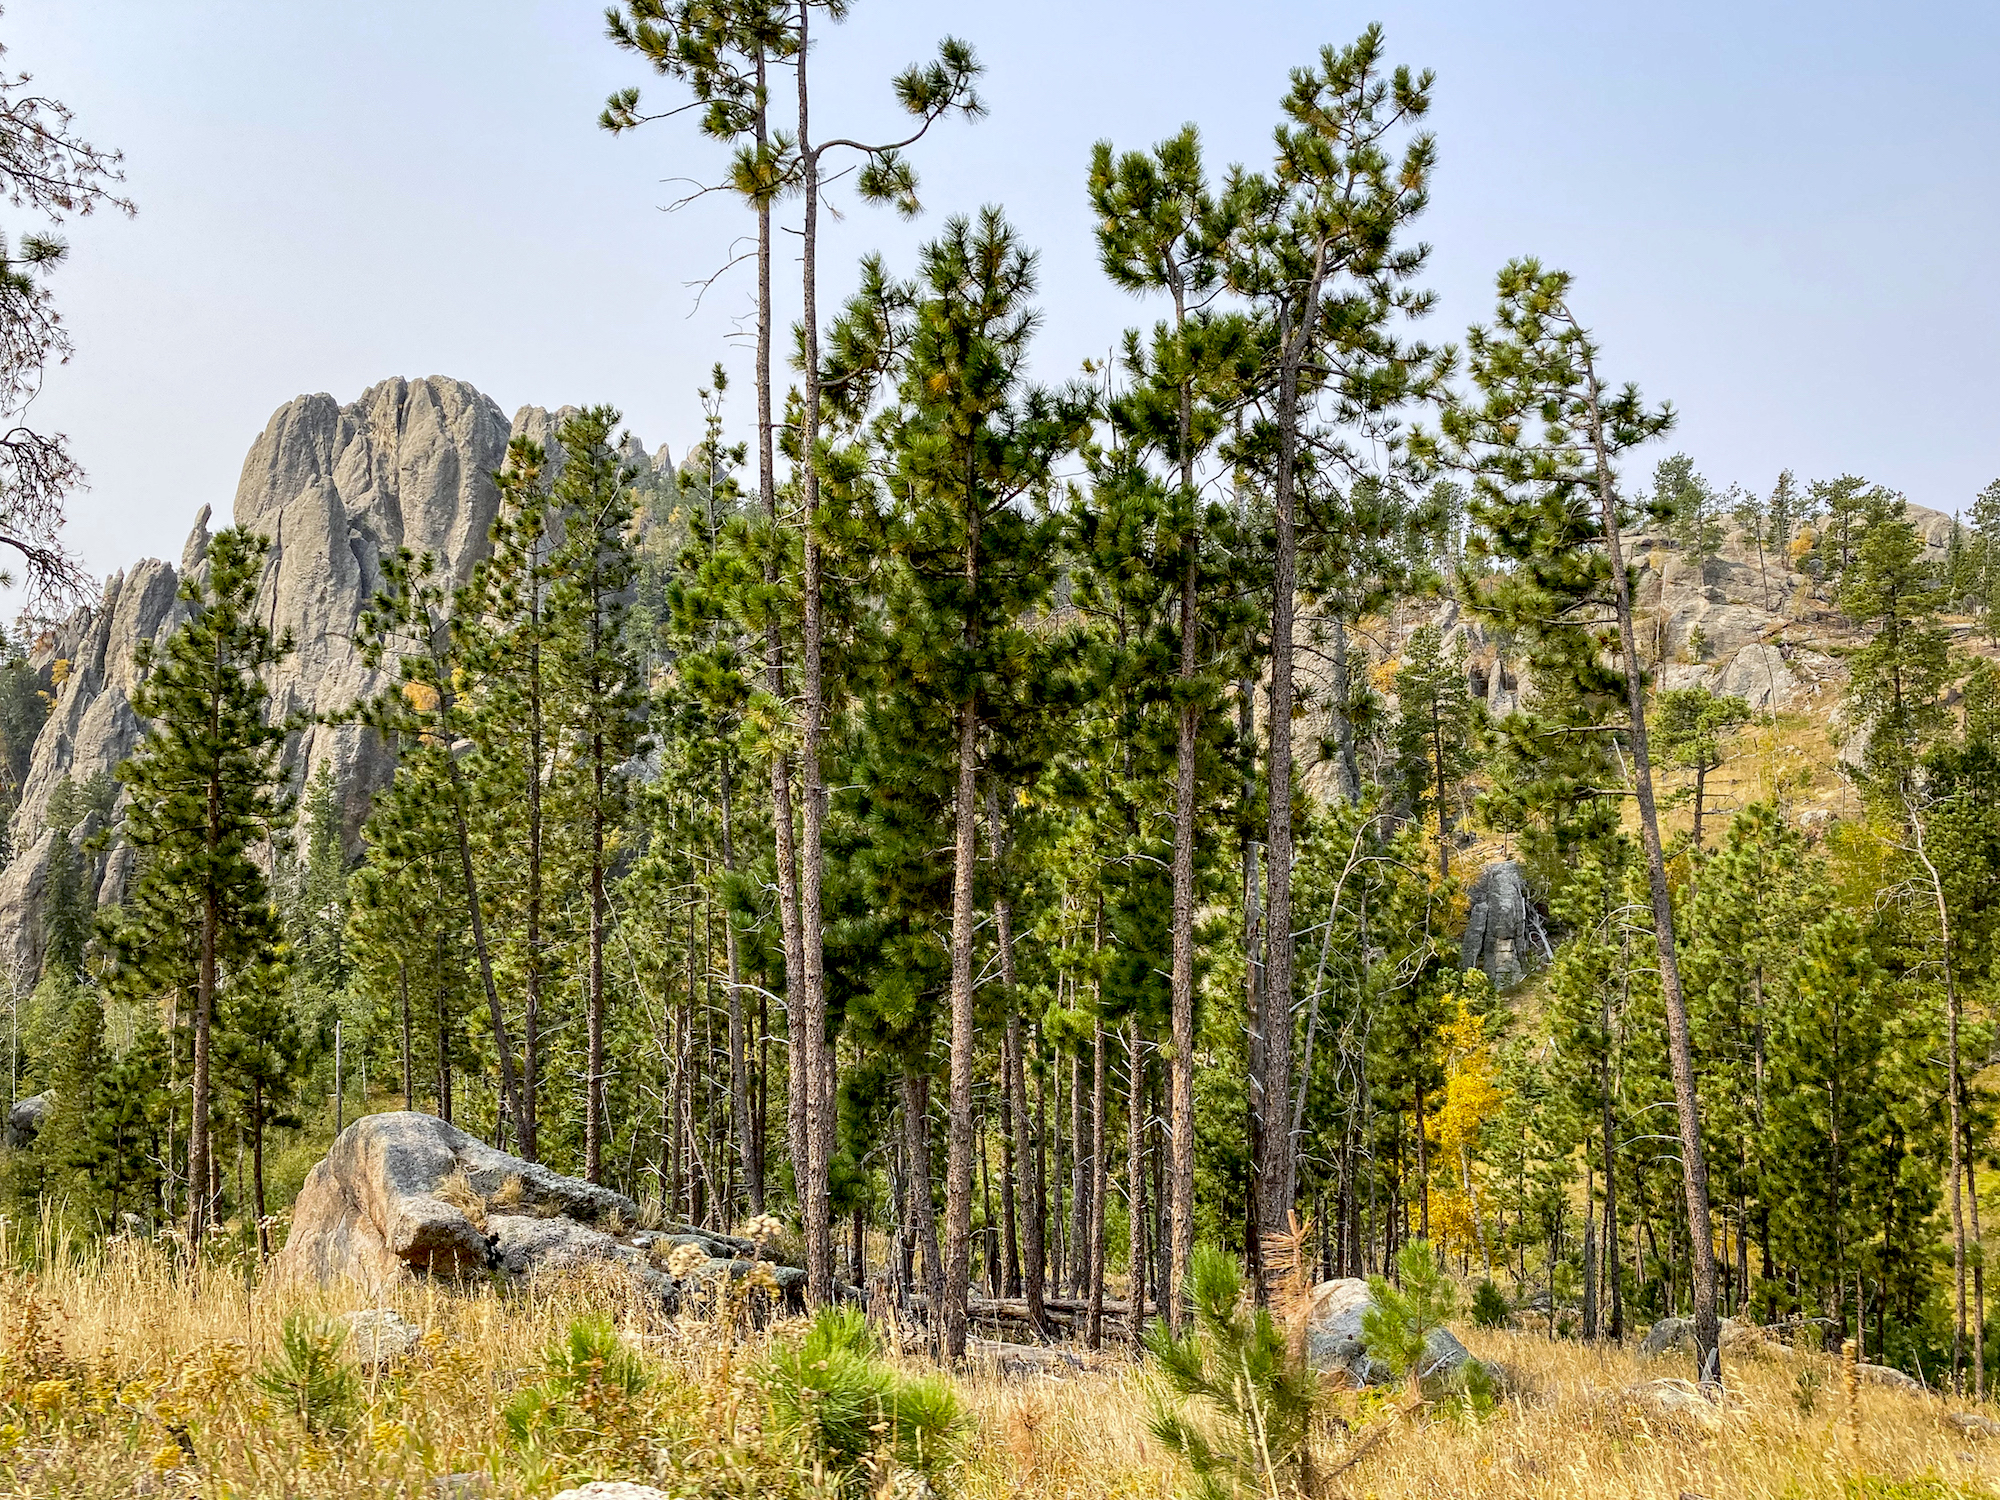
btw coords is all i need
(969, 443)
(410, 629)
(505, 620)
(1542, 437)
(1160, 228)
(1323, 259)
(1692, 724)
(1436, 716)
(601, 700)
(724, 50)
(205, 799)
(1896, 681)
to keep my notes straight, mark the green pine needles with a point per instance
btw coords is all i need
(1234, 1404)
(308, 1377)
(850, 1412)
(206, 800)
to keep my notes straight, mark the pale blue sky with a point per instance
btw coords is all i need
(1782, 216)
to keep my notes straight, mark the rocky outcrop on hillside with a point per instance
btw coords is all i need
(409, 463)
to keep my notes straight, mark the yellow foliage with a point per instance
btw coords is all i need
(421, 696)
(1471, 1098)
(59, 671)
(1803, 543)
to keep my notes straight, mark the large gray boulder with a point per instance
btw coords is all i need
(1333, 1338)
(1762, 678)
(406, 1195)
(26, 1118)
(1496, 924)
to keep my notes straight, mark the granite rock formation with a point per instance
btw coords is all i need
(409, 463)
(406, 1195)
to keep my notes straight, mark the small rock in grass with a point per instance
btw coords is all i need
(614, 1489)
(376, 1336)
(1896, 1380)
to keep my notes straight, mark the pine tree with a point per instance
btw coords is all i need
(407, 919)
(1986, 541)
(712, 646)
(1435, 719)
(51, 172)
(1750, 513)
(1690, 506)
(1324, 262)
(504, 619)
(316, 903)
(101, 1141)
(968, 443)
(1692, 725)
(407, 629)
(601, 695)
(1161, 229)
(927, 93)
(1844, 500)
(264, 1057)
(1551, 493)
(1896, 681)
(205, 797)
(1785, 511)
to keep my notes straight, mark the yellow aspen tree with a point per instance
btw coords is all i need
(1471, 1098)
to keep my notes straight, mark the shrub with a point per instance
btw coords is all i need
(847, 1410)
(1255, 1400)
(1489, 1306)
(588, 1394)
(308, 1377)
(1397, 1329)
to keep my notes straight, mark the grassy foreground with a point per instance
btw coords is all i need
(121, 1375)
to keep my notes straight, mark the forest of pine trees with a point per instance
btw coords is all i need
(1000, 827)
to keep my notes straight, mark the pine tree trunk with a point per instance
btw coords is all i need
(204, 1009)
(1589, 1246)
(1034, 1205)
(923, 1212)
(1135, 1171)
(964, 914)
(1276, 1158)
(1680, 1052)
(810, 1003)
(1423, 1134)
(1009, 1146)
(443, 1039)
(594, 1102)
(1076, 1243)
(739, 1060)
(989, 1248)
(1099, 1185)
(774, 671)
(257, 1172)
(1616, 1330)
(510, 1083)
(1180, 1062)
(528, 1122)
(1253, 976)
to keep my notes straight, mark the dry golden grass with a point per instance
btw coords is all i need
(122, 1375)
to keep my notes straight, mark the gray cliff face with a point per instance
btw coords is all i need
(409, 463)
